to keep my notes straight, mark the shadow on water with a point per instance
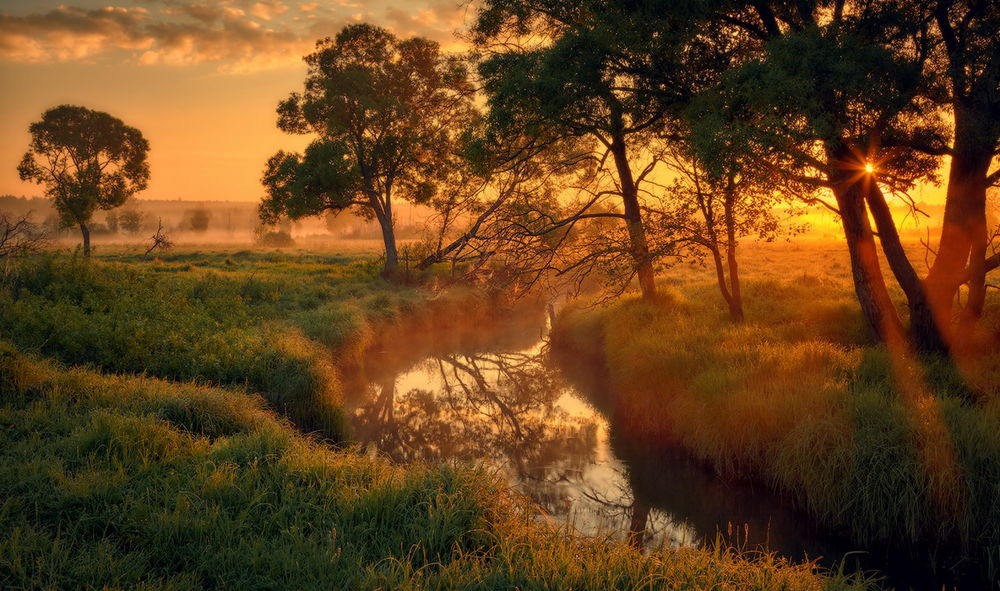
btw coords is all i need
(494, 393)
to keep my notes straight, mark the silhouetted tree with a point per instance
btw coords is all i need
(593, 74)
(964, 59)
(834, 124)
(714, 211)
(112, 221)
(130, 221)
(159, 240)
(87, 160)
(198, 219)
(386, 113)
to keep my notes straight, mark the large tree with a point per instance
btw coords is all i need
(386, 114)
(940, 57)
(603, 77)
(87, 160)
(834, 98)
(965, 57)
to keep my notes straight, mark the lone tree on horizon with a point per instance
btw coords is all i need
(387, 114)
(87, 160)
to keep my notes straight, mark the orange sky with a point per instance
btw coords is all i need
(200, 79)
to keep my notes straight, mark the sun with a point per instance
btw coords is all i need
(869, 167)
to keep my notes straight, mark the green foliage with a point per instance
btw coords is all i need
(821, 87)
(387, 114)
(86, 159)
(125, 482)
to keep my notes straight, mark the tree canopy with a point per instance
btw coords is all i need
(387, 115)
(87, 160)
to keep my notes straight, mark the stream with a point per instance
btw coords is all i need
(494, 394)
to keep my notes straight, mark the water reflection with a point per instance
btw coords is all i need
(512, 408)
(496, 395)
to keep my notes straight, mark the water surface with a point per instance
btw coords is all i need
(494, 394)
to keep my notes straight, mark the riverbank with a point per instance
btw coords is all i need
(276, 324)
(135, 471)
(796, 398)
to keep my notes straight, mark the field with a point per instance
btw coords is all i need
(888, 450)
(154, 416)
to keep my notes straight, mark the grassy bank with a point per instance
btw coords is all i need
(131, 482)
(268, 323)
(884, 450)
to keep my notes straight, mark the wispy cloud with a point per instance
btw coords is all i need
(236, 35)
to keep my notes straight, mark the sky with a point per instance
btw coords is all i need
(200, 79)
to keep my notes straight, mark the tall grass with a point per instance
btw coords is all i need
(883, 449)
(117, 482)
(275, 324)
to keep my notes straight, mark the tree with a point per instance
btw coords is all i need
(198, 219)
(824, 99)
(942, 55)
(130, 221)
(19, 236)
(87, 160)
(965, 56)
(387, 114)
(713, 211)
(112, 221)
(593, 74)
(159, 240)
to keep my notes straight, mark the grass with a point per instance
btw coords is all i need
(113, 482)
(886, 451)
(261, 322)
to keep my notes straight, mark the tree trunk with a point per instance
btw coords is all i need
(637, 525)
(86, 239)
(391, 254)
(633, 221)
(962, 249)
(927, 336)
(736, 301)
(381, 205)
(720, 276)
(869, 283)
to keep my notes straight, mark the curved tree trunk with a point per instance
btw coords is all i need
(869, 283)
(381, 205)
(86, 239)
(391, 254)
(927, 336)
(633, 221)
(962, 249)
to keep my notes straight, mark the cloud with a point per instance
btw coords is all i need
(71, 33)
(268, 9)
(238, 36)
(190, 34)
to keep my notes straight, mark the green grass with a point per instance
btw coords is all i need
(114, 482)
(887, 451)
(263, 322)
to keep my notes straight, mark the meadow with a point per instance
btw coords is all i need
(156, 435)
(891, 451)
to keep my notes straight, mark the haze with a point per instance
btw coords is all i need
(200, 79)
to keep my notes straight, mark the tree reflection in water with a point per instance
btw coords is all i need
(547, 421)
(503, 408)
(513, 408)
